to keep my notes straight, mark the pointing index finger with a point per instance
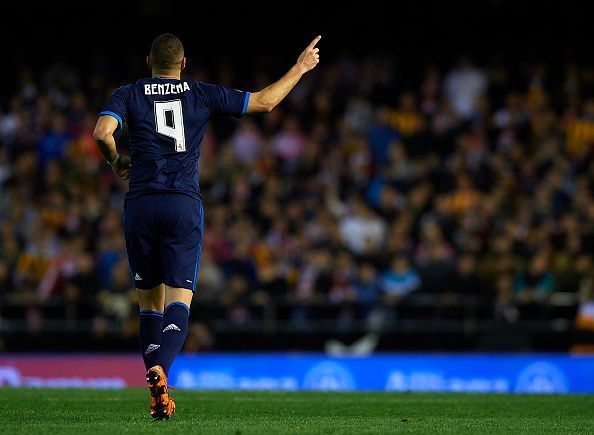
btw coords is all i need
(315, 41)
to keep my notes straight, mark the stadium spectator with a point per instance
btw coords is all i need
(505, 306)
(367, 290)
(463, 87)
(535, 284)
(398, 281)
(361, 231)
(382, 134)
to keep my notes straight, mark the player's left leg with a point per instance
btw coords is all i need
(142, 246)
(175, 330)
(175, 325)
(151, 304)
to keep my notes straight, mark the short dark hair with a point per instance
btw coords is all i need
(167, 51)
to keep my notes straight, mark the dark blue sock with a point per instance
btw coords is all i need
(151, 325)
(175, 329)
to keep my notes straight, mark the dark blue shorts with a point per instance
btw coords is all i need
(163, 239)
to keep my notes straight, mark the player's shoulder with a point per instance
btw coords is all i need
(204, 87)
(204, 91)
(125, 86)
(123, 89)
(212, 90)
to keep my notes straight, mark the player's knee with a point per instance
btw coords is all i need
(181, 295)
(152, 299)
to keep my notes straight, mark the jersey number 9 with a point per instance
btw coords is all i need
(169, 120)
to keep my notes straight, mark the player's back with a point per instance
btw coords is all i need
(167, 119)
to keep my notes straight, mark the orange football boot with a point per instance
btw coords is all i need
(162, 404)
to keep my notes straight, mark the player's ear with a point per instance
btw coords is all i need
(183, 64)
(149, 63)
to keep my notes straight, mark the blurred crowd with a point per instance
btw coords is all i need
(354, 197)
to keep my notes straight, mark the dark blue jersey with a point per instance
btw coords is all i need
(167, 120)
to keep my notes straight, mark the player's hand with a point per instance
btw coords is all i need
(310, 57)
(122, 167)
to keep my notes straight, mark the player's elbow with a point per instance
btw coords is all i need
(260, 102)
(101, 133)
(268, 107)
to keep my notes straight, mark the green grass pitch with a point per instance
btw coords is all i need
(126, 411)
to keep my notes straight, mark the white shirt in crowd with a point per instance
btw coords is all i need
(463, 87)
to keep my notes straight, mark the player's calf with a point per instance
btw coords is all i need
(175, 330)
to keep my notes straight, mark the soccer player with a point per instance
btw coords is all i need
(163, 211)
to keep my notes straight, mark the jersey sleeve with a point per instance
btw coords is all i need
(117, 104)
(226, 101)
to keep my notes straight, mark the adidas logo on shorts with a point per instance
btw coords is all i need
(170, 327)
(137, 277)
(152, 347)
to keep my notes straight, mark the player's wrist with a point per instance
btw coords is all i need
(115, 159)
(299, 69)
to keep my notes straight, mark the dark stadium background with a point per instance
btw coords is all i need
(112, 39)
(249, 33)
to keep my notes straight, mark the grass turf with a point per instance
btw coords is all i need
(101, 411)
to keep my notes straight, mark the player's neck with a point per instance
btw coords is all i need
(166, 75)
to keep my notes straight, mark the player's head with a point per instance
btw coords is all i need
(167, 54)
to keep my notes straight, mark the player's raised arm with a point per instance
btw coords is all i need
(269, 97)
